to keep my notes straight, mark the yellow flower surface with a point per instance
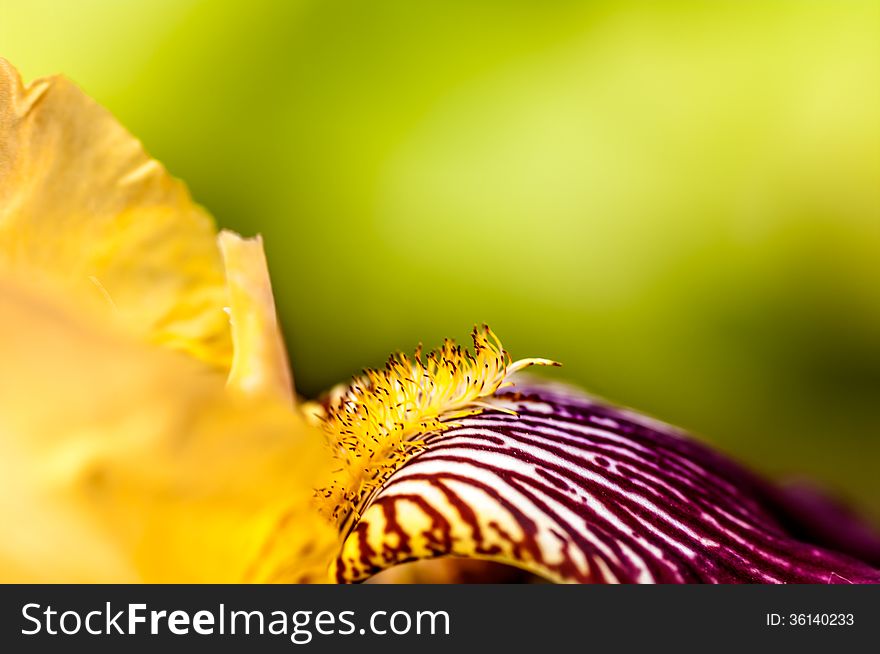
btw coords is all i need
(124, 463)
(87, 214)
(259, 363)
(124, 459)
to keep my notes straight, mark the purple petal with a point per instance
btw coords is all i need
(576, 490)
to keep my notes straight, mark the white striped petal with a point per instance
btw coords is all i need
(575, 490)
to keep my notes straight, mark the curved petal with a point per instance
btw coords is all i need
(122, 462)
(84, 211)
(578, 491)
(259, 362)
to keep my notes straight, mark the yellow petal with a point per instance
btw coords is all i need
(123, 462)
(84, 211)
(259, 363)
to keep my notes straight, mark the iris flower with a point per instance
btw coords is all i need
(149, 428)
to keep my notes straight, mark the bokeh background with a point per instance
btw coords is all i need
(678, 200)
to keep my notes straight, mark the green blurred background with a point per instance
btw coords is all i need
(679, 200)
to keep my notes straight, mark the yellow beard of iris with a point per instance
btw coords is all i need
(381, 420)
